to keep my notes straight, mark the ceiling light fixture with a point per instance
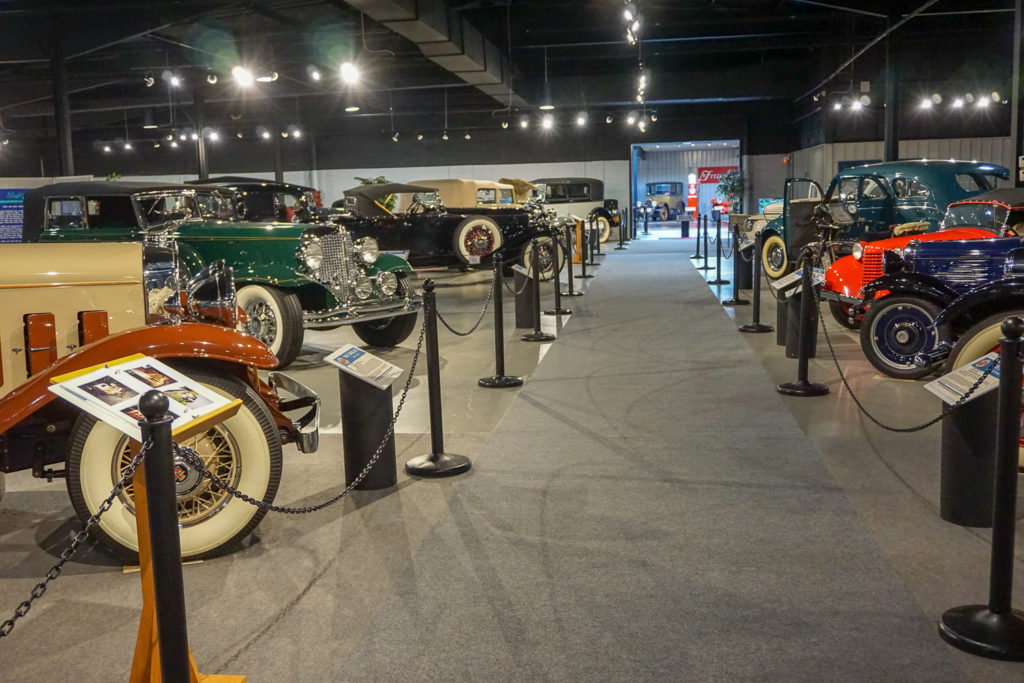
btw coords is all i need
(642, 125)
(995, 96)
(213, 135)
(349, 73)
(630, 12)
(925, 104)
(581, 119)
(194, 136)
(419, 136)
(546, 104)
(524, 122)
(630, 119)
(174, 144)
(444, 136)
(936, 98)
(394, 138)
(211, 79)
(269, 77)
(856, 105)
(242, 76)
(547, 122)
(313, 72)
(504, 125)
(148, 80)
(983, 103)
(654, 117)
(127, 146)
(608, 119)
(175, 81)
(837, 106)
(147, 120)
(969, 98)
(958, 103)
(265, 135)
(106, 148)
(468, 136)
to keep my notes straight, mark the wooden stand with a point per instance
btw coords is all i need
(146, 661)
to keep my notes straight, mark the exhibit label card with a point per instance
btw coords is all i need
(950, 388)
(111, 393)
(365, 366)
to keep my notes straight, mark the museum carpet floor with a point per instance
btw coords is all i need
(646, 508)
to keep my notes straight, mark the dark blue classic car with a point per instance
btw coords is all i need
(926, 277)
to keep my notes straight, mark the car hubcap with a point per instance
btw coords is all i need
(775, 257)
(479, 241)
(198, 498)
(902, 332)
(262, 321)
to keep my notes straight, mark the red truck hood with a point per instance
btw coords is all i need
(846, 276)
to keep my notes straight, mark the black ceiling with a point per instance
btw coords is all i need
(695, 51)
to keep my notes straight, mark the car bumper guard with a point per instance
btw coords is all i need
(307, 427)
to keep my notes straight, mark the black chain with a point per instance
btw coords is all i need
(946, 412)
(195, 461)
(40, 588)
(487, 304)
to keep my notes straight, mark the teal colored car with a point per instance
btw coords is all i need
(289, 276)
(867, 202)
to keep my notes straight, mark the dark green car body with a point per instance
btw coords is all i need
(340, 284)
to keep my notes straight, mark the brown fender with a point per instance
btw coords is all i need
(184, 340)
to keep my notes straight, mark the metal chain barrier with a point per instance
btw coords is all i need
(487, 303)
(195, 460)
(515, 292)
(40, 588)
(946, 412)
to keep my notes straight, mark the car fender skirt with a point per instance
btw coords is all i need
(184, 340)
(914, 284)
(1007, 293)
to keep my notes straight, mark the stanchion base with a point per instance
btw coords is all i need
(799, 388)
(621, 248)
(696, 256)
(538, 337)
(572, 293)
(592, 263)
(735, 302)
(756, 328)
(705, 268)
(442, 465)
(584, 277)
(559, 311)
(500, 382)
(976, 629)
(718, 281)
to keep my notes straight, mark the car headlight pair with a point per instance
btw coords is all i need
(387, 283)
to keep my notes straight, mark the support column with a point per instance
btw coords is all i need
(61, 106)
(278, 160)
(199, 97)
(892, 91)
(1016, 96)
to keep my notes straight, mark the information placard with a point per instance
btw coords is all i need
(951, 388)
(111, 392)
(365, 366)
(11, 215)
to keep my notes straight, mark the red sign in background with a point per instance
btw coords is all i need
(713, 174)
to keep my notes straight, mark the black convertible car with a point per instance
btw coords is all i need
(268, 200)
(410, 218)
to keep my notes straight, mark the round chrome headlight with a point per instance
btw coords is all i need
(367, 249)
(313, 254)
(364, 287)
(387, 282)
(858, 250)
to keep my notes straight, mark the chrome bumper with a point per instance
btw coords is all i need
(307, 427)
(829, 295)
(359, 313)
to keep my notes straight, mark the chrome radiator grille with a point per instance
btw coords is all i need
(337, 268)
(970, 272)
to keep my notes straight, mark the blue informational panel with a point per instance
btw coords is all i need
(11, 213)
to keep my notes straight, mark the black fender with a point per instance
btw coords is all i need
(601, 211)
(916, 284)
(991, 297)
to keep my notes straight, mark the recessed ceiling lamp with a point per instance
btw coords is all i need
(349, 73)
(547, 122)
(242, 76)
(581, 119)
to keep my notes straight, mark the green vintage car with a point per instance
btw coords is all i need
(290, 276)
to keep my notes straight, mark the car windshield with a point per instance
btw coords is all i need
(161, 209)
(216, 206)
(976, 215)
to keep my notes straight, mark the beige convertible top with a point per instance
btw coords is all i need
(463, 193)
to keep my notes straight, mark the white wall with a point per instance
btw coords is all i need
(333, 182)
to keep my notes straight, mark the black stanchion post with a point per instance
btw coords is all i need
(996, 630)
(537, 335)
(592, 240)
(802, 386)
(719, 280)
(755, 327)
(735, 300)
(707, 247)
(622, 233)
(696, 222)
(165, 544)
(500, 380)
(597, 242)
(570, 255)
(583, 255)
(647, 218)
(558, 310)
(437, 463)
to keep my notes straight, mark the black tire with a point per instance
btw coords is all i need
(386, 332)
(841, 312)
(604, 228)
(476, 237)
(212, 522)
(895, 329)
(275, 318)
(774, 259)
(544, 248)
